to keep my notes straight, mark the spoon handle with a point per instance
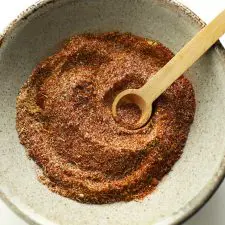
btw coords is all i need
(184, 59)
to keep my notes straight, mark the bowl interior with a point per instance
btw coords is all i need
(38, 34)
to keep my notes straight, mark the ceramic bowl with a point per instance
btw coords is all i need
(36, 34)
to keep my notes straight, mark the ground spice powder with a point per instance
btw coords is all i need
(64, 119)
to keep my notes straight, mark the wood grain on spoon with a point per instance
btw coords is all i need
(185, 58)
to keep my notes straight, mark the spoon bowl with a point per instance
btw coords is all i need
(133, 96)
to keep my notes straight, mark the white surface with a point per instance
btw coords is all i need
(213, 212)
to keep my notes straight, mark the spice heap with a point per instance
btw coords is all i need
(65, 122)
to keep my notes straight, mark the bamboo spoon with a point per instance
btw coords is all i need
(156, 85)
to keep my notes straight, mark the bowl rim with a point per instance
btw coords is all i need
(206, 193)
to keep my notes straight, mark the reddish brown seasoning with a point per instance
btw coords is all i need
(64, 119)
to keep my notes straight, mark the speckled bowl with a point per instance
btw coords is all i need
(35, 35)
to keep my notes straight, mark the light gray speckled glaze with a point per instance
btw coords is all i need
(37, 34)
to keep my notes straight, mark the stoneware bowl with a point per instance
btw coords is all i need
(37, 33)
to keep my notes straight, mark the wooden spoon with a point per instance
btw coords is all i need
(157, 84)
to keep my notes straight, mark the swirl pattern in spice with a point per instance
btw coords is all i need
(64, 119)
